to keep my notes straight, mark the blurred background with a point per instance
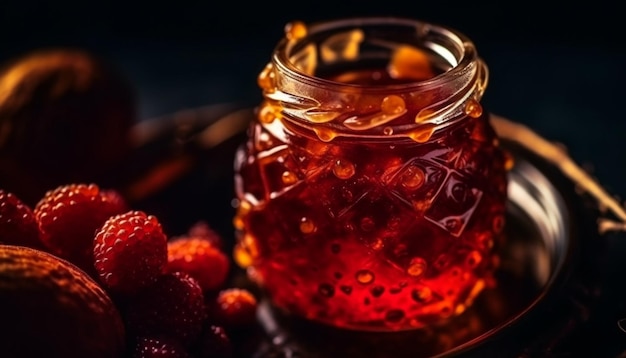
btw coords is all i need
(557, 66)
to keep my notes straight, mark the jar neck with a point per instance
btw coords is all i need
(380, 78)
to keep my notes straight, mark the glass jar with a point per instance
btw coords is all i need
(372, 188)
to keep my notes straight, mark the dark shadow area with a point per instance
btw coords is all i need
(556, 66)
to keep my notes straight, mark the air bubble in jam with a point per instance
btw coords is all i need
(498, 223)
(400, 250)
(417, 267)
(364, 277)
(289, 178)
(473, 259)
(412, 178)
(367, 224)
(307, 225)
(343, 169)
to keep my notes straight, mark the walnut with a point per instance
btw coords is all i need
(65, 116)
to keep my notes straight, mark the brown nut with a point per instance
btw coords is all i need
(64, 117)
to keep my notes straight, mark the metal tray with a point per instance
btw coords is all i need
(550, 282)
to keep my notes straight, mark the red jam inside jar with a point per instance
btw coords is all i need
(372, 188)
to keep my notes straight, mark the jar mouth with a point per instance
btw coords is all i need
(375, 77)
(453, 49)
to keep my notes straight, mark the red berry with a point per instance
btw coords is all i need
(200, 259)
(69, 217)
(173, 307)
(18, 225)
(204, 230)
(146, 347)
(235, 308)
(214, 343)
(130, 252)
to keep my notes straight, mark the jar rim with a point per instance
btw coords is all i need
(466, 53)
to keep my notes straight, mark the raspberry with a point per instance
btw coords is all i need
(214, 343)
(173, 307)
(69, 217)
(130, 252)
(199, 258)
(235, 308)
(159, 348)
(18, 225)
(204, 230)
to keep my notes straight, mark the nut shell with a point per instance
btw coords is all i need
(65, 116)
(50, 308)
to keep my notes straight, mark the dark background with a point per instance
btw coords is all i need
(556, 66)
